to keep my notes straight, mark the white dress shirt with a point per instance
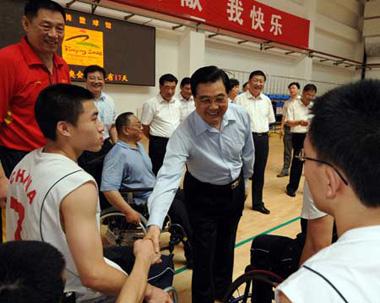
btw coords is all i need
(260, 110)
(186, 106)
(162, 116)
(211, 155)
(298, 111)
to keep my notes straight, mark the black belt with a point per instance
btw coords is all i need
(158, 138)
(216, 188)
(260, 134)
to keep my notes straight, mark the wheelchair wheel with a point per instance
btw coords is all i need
(117, 231)
(242, 288)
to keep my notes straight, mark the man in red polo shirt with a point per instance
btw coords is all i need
(26, 68)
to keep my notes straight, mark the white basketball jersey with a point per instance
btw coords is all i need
(38, 184)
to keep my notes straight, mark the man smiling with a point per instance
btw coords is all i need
(216, 145)
(261, 112)
(26, 68)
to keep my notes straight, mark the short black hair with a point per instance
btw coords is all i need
(257, 73)
(32, 7)
(234, 82)
(167, 78)
(310, 87)
(94, 68)
(245, 84)
(294, 83)
(209, 74)
(59, 102)
(123, 120)
(185, 81)
(31, 272)
(345, 131)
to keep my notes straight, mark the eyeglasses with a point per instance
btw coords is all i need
(303, 158)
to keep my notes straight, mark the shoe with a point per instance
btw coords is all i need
(262, 209)
(290, 193)
(282, 174)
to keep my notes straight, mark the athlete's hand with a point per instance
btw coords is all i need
(157, 295)
(144, 249)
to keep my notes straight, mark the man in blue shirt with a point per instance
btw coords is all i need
(215, 143)
(127, 165)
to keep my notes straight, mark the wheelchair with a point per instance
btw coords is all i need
(244, 288)
(118, 232)
(273, 259)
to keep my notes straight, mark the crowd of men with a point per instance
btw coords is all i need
(62, 145)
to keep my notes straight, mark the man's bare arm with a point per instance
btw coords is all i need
(78, 211)
(318, 236)
(3, 187)
(135, 286)
(146, 130)
(282, 298)
(115, 198)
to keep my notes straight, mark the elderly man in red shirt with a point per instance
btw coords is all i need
(26, 68)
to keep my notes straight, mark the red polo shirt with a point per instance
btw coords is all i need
(22, 77)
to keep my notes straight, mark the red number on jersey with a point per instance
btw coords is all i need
(19, 208)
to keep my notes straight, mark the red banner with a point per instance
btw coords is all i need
(247, 17)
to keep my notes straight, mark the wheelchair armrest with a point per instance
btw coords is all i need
(127, 193)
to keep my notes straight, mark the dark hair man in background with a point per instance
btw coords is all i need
(185, 98)
(260, 109)
(160, 117)
(298, 118)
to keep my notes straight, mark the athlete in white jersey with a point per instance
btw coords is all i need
(342, 169)
(52, 199)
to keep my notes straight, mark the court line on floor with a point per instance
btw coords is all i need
(182, 269)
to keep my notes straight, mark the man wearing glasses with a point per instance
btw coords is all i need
(298, 117)
(342, 171)
(259, 108)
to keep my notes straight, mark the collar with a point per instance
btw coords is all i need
(102, 97)
(162, 100)
(182, 99)
(250, 96)
(300, 101)
(31, 57)
(127, 146)
(201, 126)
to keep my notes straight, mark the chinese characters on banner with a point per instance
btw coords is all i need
(248, 17)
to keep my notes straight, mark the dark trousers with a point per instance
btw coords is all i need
(157, 150)
(178, 214)
(92, 162)
(297, 165)
(9, 159)
(261, 156)
(287, 140)
(214, 213)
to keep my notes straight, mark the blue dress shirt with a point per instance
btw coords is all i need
(211, 155)
(126, 166)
